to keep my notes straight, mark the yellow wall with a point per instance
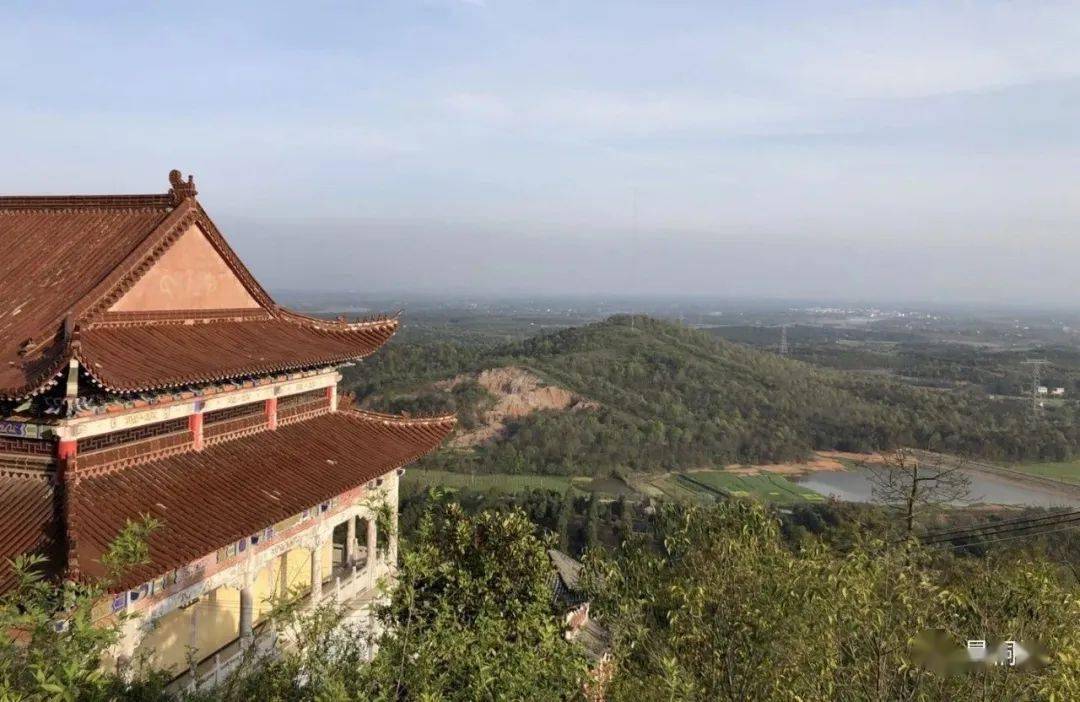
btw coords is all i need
(287, 575)
(216, 615)
(216, 618)
(164, 646)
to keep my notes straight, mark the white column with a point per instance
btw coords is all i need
(350, 541)
(392, 499)
(246, 612)
(125, 647)
(192, 643)
(371, 541)
(316, 574)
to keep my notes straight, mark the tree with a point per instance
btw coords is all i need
(566, 513)
(471, 616)
(914, 482)
(624, 510)
(52, 645)
(592, 523)
(715, 605)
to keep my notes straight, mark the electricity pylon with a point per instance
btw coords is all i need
(1036, 378)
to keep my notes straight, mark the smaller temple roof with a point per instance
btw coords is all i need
(567, 568)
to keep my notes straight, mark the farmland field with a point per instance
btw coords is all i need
(1066, 471)
(712, 484)
(699, 486)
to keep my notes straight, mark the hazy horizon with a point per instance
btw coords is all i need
(845, 151)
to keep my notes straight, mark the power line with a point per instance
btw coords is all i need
(933, 536)
(1013, 530)
(1018, 536)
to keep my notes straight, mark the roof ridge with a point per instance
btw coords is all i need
(449, 417)
(108, 319)
(63, 202)
(370, 322)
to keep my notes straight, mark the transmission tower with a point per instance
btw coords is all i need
(1036, 379)
(783, 340)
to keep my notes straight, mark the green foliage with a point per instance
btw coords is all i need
(592, 523)
(467, 399)
(494, 482)
(131, 547)
(717, 606)
(717, 603)
(675, 398)
(566, 513)
(52, 647)
(471, 616)
(324, 662)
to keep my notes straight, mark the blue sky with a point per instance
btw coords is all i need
(863, 150)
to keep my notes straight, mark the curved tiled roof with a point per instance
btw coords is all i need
(27, 521)
(55, 252)
(148, 356)
(208, 499)
(68, 259)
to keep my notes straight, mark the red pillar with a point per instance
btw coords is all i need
(66, 451)
(195, 425)
(271, 413)
(66, 448)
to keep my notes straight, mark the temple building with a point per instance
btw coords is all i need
(145, 373)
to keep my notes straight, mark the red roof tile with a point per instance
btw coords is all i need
(55, 251)
(146, 356)
(27, 524)
(212, 498)
(66, 260)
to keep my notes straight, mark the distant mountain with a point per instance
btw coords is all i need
(653, 395)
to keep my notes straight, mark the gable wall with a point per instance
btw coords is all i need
(191, 275)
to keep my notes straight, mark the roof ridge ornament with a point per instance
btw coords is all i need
(181, 190)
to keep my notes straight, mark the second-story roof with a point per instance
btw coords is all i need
(244, 482)
(144, 291)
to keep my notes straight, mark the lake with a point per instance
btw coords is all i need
(854, 486)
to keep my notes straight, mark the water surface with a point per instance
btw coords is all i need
(855, 485)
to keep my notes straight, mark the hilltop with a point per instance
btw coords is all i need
(637, 393)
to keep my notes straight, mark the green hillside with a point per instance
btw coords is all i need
(672, 398)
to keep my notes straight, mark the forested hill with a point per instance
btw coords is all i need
(671, 397)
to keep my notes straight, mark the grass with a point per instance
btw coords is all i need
(1065, 471)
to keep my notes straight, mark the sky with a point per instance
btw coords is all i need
(866, 150)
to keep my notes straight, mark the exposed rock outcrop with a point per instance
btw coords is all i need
(517, 393)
